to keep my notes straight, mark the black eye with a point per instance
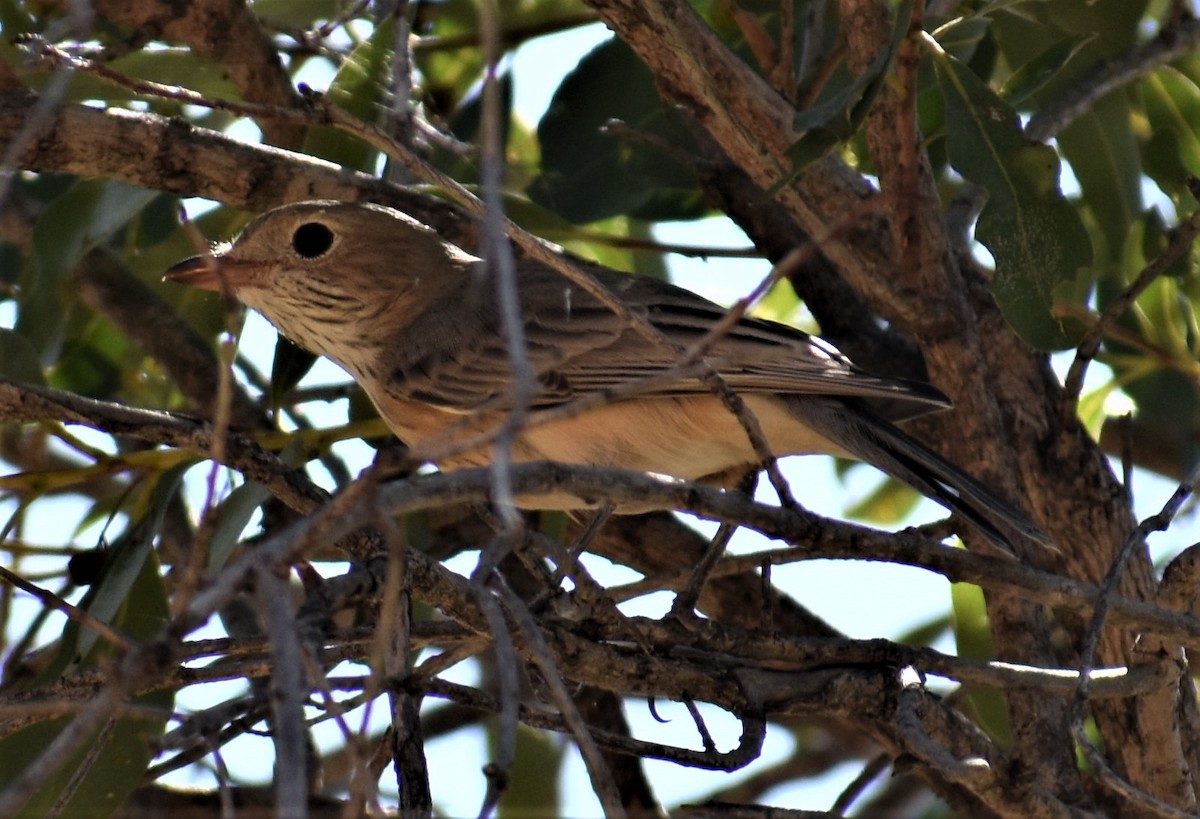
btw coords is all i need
(312, 239)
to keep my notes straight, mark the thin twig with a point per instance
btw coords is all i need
(870, 772)
(1182, 238)
(1158, 522)
(497, 771)
(684, 606)
(289, 689)
(73, 612)
(21, 402)
(1143, 801)
(598, 770)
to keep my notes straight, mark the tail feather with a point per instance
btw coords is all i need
(865, 435)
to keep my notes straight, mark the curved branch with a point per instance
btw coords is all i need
(225, 31)
(172, 156)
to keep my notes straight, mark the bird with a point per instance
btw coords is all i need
(406, 313)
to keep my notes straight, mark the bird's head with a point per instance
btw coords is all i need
(331, 275)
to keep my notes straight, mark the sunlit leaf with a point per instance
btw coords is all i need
(178, 66)
(360, 88)
(890, 502)
(973, 634)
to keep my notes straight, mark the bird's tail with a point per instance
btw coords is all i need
(874, 440)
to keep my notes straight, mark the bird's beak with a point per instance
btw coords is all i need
(214, 273)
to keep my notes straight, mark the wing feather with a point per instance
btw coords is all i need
(577, 346)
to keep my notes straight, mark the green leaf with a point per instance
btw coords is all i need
(450, 74)
(18, 359)
(1114, 22)
(1172, 103)
(234, 515)
(890, 502)
(177, 66)
(1093, 408)
(93, 359)
(359, 88)
(465, 125)
(973, 633)
(87, 214)
(110, 599)
(532, 790)
(1030, 77)
(961, 36)
(1168, 405)
(15, 19)
(1035, 236)
(169, 66)
(1104, 154)
(587, 175)
(239, 507)
(300, 13)
(999, 5)
(927, 633)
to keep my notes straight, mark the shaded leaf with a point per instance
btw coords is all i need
(109, 598)
(1034, 234)
(237, 510)
(961, 36)
(588, 175)
(1030, 77)
(1104, 155)
(1173, 108)
(18, 359)
(533, 789)
(301, 13)
(88, 213)
(93, 359)
(465, 127)
(925, 634)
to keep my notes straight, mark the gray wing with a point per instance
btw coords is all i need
(578, 346)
